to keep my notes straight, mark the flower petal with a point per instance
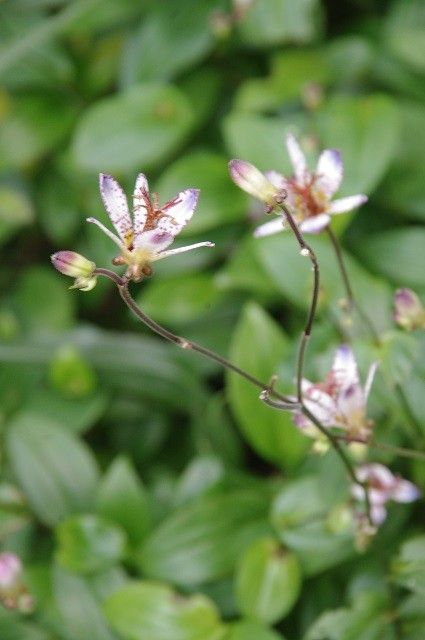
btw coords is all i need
(270, 228)
(140, 211)
(116, 205)
(319, 403)
(297, 158)
(405, 491)
(315, 223)
(342, 205)
(250, 179)
(344, 368)
(173, 252)
(370, 377)
(109, 233)
(183, 209)
(276, 178)
(329, 172)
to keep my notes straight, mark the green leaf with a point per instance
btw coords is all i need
(259, 346)
(358, 127)
(202, 541)
(12, 628)
(16, 211)
(250, 630)
(42, 303)
(268, 581)
(123, 499)
(179, 300)
(300, 517)
(171, 38)
(157, 120)
(219, 202)
(202, 475)
(32, 127)
(88, 543)
(79, 606)
(55, 470)
(150, 610)
(408, 569)
(405, 32)
(271, 22)
(70, 374)
(397, 254)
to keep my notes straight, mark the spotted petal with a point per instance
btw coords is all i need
(140, 212)
(183, 209)
(297, 158)
(329, 172)
(405, 491)
(116, 205)
(344, 368)
(342, 205)
(319, 403)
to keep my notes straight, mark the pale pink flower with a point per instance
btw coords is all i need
(382, 486)
(340, 400)
(144, 236)
(309, 194)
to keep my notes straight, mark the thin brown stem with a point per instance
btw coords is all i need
(122, 284)
(351, 300)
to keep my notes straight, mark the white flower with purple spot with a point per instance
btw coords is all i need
(382, 486)
(339, 401)
(144, 236)
(309, 194)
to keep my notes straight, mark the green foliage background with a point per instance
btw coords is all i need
(151, 498)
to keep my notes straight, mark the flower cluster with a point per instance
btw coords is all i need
(340, 400)
(308, 194)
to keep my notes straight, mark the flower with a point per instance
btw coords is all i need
(309, 194)
(78, 267)
(340, 400)
(409, 312)
(143, 237)
(382, 486)
(13, 592)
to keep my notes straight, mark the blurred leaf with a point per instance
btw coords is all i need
(13, 628)
(259, 347)
(79, 607)
(123, 499)
(58, 207)
(299, 515)
(250, 630)
(268, 581)
(397, 353)
(171, 38)
(280, 256)
(368, 620)
(405, 32)
(201, 476)
(271, 22)
(408, 569)
(203, 89)
(70, 374)
(202, 541)
(153, 369)
(88, 543)
(397, 254)
(42, 303)
(149, 610)
(32, 126)
(55, 470)
(358, 127)
(157, 120)
(16, 211)
(179, 300)
(219, 202)
(292, 72)
(350, 58)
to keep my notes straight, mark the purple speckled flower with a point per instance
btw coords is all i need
(340, 400)
(382, 487)
(144, 236)
(308, 194)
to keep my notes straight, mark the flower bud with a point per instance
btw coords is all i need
(408, 310)
(251, 180)
(76, 266)
(13, 592)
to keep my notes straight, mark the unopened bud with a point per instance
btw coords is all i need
(305, 252)
(76, 266)
(408, 310)
(13, 592)
(251, 180)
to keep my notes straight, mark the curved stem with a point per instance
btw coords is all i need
(307, 251)
(352, 301)
(122, 284)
